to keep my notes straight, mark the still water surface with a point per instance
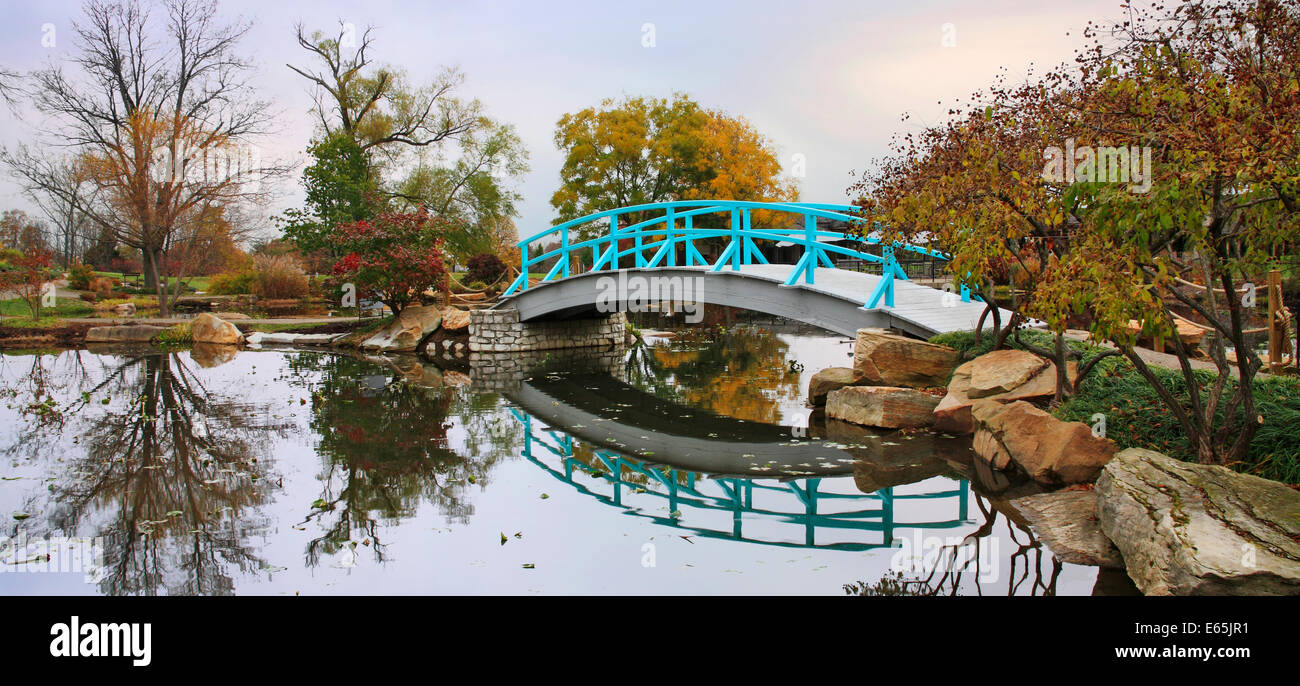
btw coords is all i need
(686, 466)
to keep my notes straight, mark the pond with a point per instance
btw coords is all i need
(688, 465)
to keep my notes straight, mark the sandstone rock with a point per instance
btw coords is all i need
(953, 415)
(1067, 522)
(884, 359)
(886, 407)
(454, 319)
(1001, 371)
(232, 316)
(1050, 451)
(407, 331)
(124, 310)
(1190, 529)
(208, 328)
(123, 334)
(827, 380)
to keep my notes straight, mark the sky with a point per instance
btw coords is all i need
(828, 80)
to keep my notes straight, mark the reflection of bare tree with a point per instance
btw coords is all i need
(174, 468)
(964, 561)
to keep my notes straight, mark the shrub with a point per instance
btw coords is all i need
(102, 286)
(394, 258)
(484, 268)
(79, 276)
(279, 277)
(233, 283)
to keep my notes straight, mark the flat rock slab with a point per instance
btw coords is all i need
(138, 333)
(885, 407)
(1067, 522)
(1192, 529)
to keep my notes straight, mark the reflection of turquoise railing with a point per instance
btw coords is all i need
(682, 489)
(665, 234)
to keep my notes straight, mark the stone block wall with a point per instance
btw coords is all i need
(500, 331)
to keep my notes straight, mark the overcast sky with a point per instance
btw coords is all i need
(825, 79)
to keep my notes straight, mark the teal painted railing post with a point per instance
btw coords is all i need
(669, 223)
(744, 239)
(523, 264)
(892, 267)
(690, 241)
(735, 240)
(613, 242)
(564, 249)
(640, 259)
(810, 249)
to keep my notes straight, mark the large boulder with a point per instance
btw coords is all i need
(953, 414)
(827, 380)
(1001, 371)
(1190, 529)
(407, 331)
(454, 319)
(1052, 452)
(1067, 522)
(123, 334)
(208, 328)
(881, 358)
(886, 407)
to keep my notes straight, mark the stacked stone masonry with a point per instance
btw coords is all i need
(501, 331)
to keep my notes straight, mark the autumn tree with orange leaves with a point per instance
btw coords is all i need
(1207, 92)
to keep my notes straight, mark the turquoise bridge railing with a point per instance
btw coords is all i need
(685, 496)
(654, 242)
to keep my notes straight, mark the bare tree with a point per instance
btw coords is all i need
(162, 116)
(62, 190)
(380, 109)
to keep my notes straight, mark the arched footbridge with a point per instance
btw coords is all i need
(651, 254)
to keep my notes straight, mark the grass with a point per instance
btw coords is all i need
(1136, 417)
(65, 307)
(178, 336)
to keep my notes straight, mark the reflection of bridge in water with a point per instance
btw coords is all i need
(635, 447)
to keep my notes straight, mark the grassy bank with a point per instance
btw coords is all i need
(1136, 417)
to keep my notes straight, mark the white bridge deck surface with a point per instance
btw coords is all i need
(930, 308)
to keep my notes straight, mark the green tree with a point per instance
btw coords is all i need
(340, 189)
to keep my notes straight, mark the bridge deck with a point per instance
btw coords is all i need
(923, 306)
